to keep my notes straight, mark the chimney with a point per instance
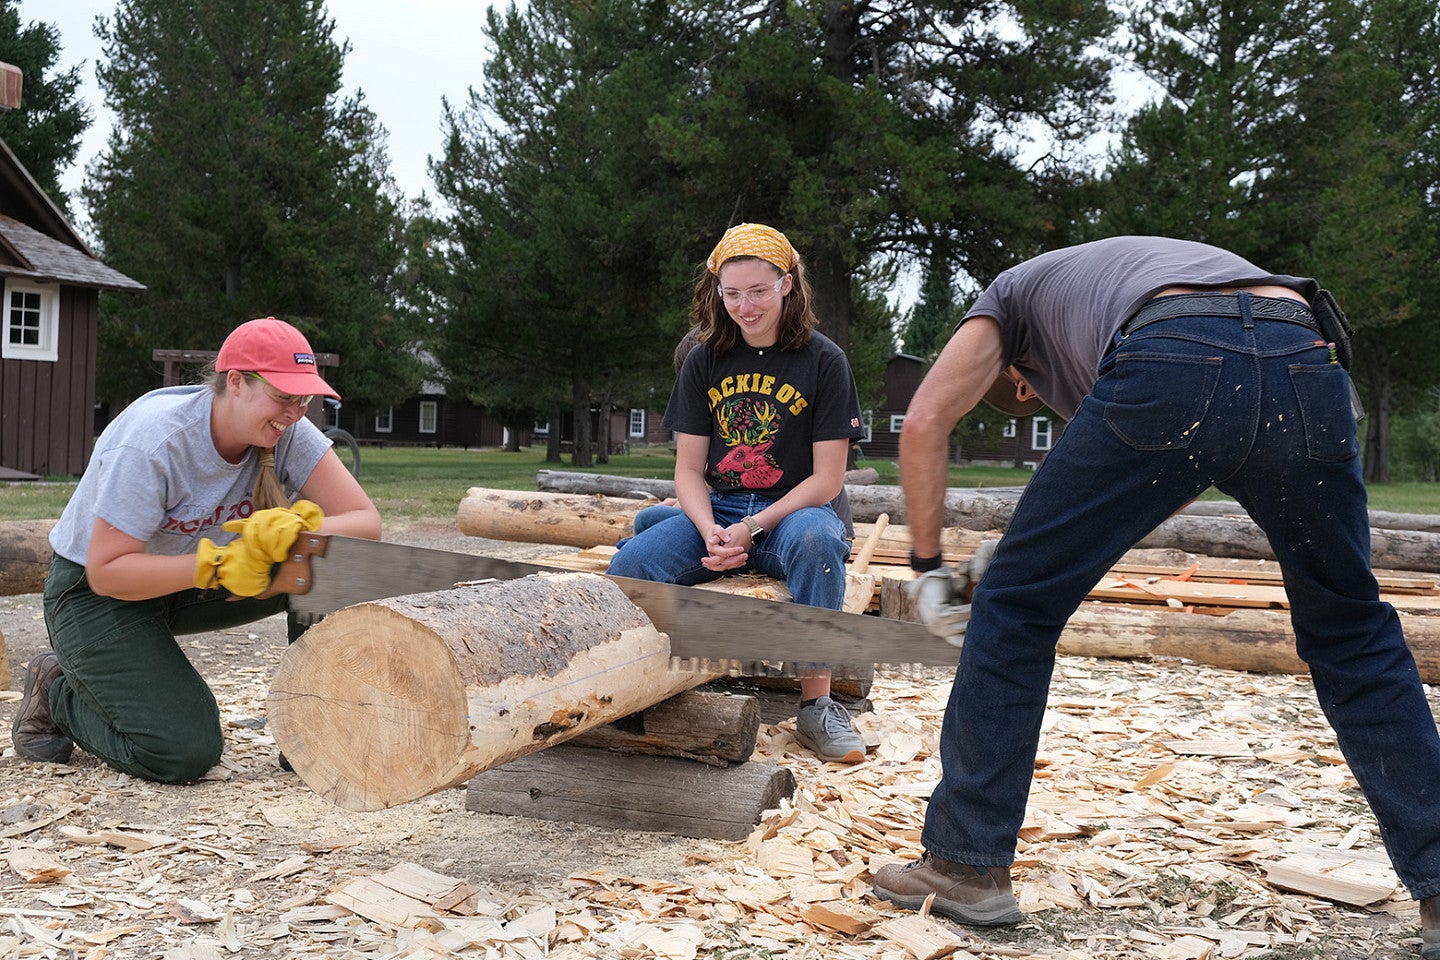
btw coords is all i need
(11, 78)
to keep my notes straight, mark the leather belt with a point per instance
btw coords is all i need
(1219, 305)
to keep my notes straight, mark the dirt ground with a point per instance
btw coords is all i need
(1166, 794)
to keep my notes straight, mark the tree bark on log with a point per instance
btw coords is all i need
(629, 488)
(705, 725)
(565, 519)
(24, 556)
(633, 488)
(385, 702)
(1379, 519)
(659, 794)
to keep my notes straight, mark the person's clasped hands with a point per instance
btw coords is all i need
(723, 550)
(941, 596)
(243, 565)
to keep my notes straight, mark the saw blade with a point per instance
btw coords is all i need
(721, 631)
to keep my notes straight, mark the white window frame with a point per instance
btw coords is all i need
(897, 420)
(1009, 432)
(429, 416)
(1041, 433)
(46, 321)
(385, 422)
(541, 429)
(867, 423)
(637, 422)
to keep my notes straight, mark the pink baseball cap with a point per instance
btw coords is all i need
(276, 351)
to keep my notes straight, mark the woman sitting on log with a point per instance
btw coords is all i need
(764, 410)
(135, 563)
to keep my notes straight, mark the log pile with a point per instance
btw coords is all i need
(1216, 610)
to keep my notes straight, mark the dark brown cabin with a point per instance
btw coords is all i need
(48, 331)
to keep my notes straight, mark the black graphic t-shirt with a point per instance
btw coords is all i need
(763, 409)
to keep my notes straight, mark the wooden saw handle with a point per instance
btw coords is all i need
(295, 573)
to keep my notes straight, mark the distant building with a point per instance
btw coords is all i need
(1023, 441)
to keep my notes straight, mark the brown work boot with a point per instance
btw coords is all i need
(1430, 928)
(33, 731)
(979, 896)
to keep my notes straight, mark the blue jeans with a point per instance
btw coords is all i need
(1254, 408)
(807, 549)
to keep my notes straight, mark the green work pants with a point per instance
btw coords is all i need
(129, 695)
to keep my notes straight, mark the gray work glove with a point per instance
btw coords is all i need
(942, 596)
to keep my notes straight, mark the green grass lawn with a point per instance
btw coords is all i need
(413, 484)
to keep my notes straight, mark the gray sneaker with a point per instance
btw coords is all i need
(825, 728)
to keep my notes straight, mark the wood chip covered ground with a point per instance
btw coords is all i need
(1180, 812)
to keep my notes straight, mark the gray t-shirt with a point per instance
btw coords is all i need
(156, 476)
(1059, 312)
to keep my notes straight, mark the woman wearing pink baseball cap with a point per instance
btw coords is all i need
(187, 503)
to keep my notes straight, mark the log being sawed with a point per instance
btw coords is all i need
(385, 702)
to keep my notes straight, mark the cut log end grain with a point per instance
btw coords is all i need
(385, 702)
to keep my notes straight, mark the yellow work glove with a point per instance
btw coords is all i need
(235, 566)
(271, 533)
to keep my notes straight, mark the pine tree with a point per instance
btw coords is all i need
(935, 312)
(44, 134)
(239, 185)
(552, 279)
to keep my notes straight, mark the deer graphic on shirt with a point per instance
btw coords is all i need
(748, 428)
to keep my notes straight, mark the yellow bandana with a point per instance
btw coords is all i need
(752, 240)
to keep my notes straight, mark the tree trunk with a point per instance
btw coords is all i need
(602, 430)
(580, 407)
(552, 440)
(385, 702)
(24, 556)
(830, 280)
(1377, 425)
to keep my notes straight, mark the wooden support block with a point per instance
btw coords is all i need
(710, 726)
(657, 794)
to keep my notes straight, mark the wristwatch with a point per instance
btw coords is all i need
(757, 532)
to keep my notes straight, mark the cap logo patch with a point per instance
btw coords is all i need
(305, 358)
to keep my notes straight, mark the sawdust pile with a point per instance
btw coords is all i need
(1179, 813)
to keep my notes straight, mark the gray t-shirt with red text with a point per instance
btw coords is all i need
(156, 476)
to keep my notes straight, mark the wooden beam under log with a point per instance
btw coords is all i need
(659, 794)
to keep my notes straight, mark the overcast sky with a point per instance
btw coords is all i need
(405, 56)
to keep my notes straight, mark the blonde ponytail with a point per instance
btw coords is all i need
(268, 491)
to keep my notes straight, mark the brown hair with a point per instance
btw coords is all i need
(715, 328)
(269, 492)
